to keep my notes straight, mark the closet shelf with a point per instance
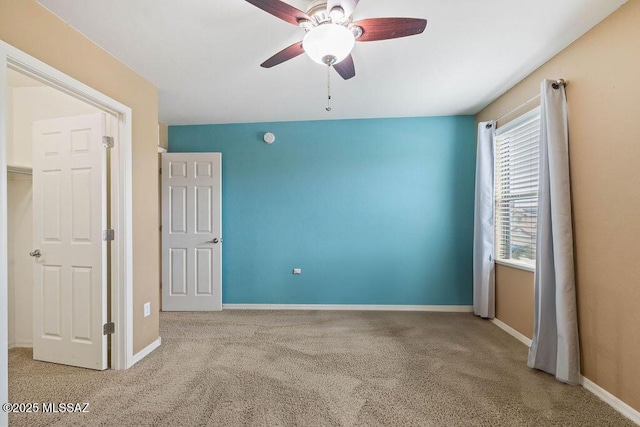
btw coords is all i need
(21, 170)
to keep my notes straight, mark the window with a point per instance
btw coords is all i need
(516, 190)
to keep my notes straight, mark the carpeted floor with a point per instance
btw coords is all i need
(314, 368)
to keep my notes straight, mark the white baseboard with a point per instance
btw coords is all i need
(145, 352)
(611, 400)
(508, 329)
(21, 344)
(604, 395)
(351, 307)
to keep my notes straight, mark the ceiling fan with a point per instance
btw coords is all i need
(331, 34)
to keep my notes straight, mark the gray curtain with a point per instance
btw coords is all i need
(483, 234)
(555, 347)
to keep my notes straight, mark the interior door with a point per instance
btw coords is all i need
(70, 256)
(191, 232)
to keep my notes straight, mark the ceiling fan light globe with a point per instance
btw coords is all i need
(328, 41)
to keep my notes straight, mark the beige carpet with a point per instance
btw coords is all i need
(314, 368)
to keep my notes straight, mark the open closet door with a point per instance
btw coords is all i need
(69, 253)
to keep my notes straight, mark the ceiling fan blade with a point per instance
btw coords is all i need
(284, 55)
(281, 10)
(374, 29)
(346, 68)
(347, 5)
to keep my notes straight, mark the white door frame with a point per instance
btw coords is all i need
(121, 205)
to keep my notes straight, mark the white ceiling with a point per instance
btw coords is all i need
(204, 56)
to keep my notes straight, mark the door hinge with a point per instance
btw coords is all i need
(108, 235)
(107, 141)
(108, 328)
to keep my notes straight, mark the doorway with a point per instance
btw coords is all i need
(120, 195)
(57, 209)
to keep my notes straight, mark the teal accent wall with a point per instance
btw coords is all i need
(376, 211)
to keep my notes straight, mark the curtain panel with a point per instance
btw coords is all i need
(555, 347)
(483, 232)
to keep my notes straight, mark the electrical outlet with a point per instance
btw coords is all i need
(297, 271)
(147, 309)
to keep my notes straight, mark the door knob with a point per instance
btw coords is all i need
(215, 240)
(36, 253)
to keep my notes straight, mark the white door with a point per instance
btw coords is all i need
(191, 232)
(70, 256)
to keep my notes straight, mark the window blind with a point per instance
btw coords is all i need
(516, 188)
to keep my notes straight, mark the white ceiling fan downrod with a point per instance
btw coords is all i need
(328, 107)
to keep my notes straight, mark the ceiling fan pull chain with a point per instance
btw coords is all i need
(328, 107)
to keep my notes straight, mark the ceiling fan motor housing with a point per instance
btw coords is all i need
(317, 10)
(316, 7)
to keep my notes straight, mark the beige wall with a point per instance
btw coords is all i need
(603, 70)
(37, 103)
(514, 298)
(34, 30)
(20, 275)
(163, 135)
